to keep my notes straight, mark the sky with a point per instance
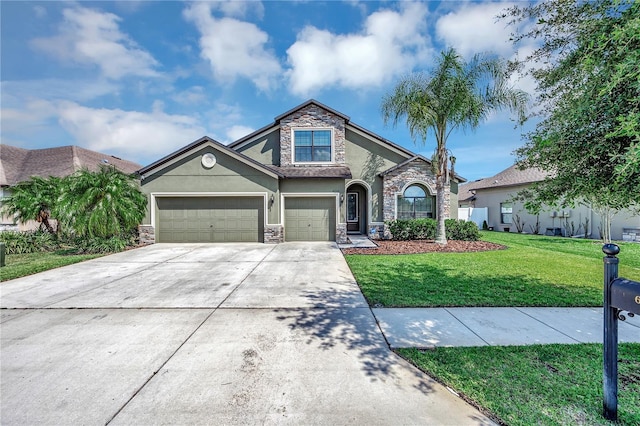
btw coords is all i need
(141, 79)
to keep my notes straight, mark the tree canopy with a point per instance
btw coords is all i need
(455, 94)
(588, 80)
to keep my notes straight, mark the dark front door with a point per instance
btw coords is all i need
(353, 212)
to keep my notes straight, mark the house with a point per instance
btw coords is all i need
(496, 194)
(312, 174)
(19, 164)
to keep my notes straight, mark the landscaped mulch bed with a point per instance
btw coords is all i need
(424, 246)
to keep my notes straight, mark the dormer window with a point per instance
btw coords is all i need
(312, 146)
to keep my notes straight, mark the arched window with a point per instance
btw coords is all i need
(415, 203)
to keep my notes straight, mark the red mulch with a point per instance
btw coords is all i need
(424, 246)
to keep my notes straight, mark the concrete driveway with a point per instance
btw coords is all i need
(207, 334)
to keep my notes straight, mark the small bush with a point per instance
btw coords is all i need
(425, 229)
(461, 230)
(412, 229)
(28, 242)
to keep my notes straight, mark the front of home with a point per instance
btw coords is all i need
(311, 175)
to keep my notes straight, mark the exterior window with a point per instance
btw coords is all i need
(415, 203)
(506, 210)
(312, 146)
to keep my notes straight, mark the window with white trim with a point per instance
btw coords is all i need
(312, 146)
(506, 213)
(415, 203)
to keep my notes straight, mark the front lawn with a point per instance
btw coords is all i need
(533, 271)
(536, 385)
(20, 265)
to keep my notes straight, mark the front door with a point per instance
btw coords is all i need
(353, 216)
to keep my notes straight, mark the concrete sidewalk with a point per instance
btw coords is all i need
(431, 327)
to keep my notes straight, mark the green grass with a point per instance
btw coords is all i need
(541, 385)
(533, 271)
(20, 265)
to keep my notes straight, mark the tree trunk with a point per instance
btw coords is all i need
(441, 235)
(441, 181)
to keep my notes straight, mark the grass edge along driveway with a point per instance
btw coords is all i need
(532, 271)
(21, 265)
(538, 384)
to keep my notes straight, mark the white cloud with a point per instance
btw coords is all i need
(236, 132)
(55, 88)
(91, 37)
(234, 48)
(239, 9)
(390, 43)
(39, 11)
(473, 29)
(192, 96)
(133, 134)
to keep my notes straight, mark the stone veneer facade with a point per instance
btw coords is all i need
(316, 118)
(416, 171)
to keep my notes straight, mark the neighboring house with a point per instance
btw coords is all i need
(312, 174)
(19, 164)
(496, 194)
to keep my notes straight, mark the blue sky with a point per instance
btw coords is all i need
(140, 79)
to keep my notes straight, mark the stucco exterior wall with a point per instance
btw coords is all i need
(228, 175)
(366, 159)
(571, 218)
(265, 150)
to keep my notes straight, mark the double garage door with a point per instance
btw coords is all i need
(210, 219)
(309, 219)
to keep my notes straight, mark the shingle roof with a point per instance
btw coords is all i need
(341, 172)
(18, 164)
(509, 177)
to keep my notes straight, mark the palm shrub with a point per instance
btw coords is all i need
(29, 242)
(103, 204)
(34, 199)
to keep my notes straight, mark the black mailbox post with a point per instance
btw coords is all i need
(619, 295)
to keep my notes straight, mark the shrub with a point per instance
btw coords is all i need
(95, 245)
(425, 229)
(28, 242)
(412, 229)
(461, 230)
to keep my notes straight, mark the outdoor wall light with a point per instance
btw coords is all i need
(272, 199)
(341, 198)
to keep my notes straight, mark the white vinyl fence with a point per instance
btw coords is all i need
(474, 214)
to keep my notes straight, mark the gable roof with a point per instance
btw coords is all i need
(512, 176)
(352, 126)
(409, 160)
(19, 164)
(171, 158)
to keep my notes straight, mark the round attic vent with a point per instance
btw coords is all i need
(208, 160)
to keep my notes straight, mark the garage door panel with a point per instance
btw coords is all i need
(309, 219)
(210, 219)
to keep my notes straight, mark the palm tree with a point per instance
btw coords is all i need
(102, 204)
(456, 94)
(33, 199)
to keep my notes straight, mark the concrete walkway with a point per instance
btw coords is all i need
(207, 334)
(423, 328)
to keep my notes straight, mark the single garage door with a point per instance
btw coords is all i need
(309, 219)
(210, 219)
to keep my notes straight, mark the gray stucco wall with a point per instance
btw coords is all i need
(366, 159)
(265, 150)
(492, 197)
(228, 175)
